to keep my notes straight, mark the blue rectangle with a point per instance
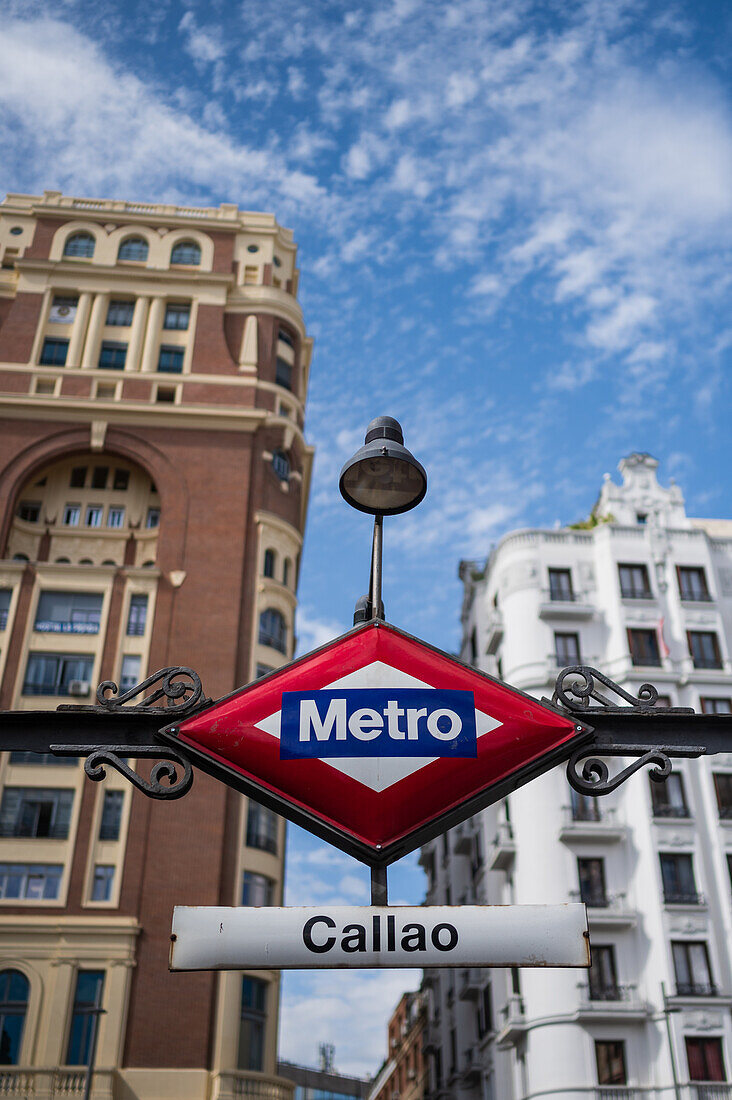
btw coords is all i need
(377, 722)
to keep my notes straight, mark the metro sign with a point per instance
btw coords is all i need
(377, 742)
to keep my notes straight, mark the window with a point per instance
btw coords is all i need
(643, 646)
(691, 966)
(634, 583)
(485, 1011)
(94, 514)
(170, 360)
(263, 670)
(165, 395)
(286, 338)
(283, 373)
(120, 313)
(251, 275)
(137, 616)
(281, 465)
(112, 355)
(566, 649)
(692, 583)
(253, 1023)
(560, 584)
(5, 595)
(57, 674)
(641, 517)
(723, 788)
(88, 996)
(80, 245)
(584, 807)
(663, 702)
(153, 517)
(31, 881)
(704, 648)
(45, 386)
(273, 630)
(68, 613)
(115, 517)
(13, 1006)
(706, 1062)
(42, 758)
(610, 1058)
(36, 812)
(256, 889)
(102, 882)
(100, 475)
(72, 515)
(134, 248)
(711, 705)
(603, 980)
(177, 315)
(668, 797)
(286, 567)
(592, 882)
(268, 568)
(261, 828)
(111, 819)
(121, 479)
(54, 352)
(29, 510)
(186, 252)
(77, 478)
(130, 673)
(679, 885)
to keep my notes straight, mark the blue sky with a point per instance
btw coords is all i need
(515, 234)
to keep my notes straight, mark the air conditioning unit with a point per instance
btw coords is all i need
(79, 687)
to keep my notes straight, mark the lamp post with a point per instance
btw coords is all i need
(383, 478)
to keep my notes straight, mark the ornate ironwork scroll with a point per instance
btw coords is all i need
(170, 766)
(594, 779)
(575, 688)
(179, 686)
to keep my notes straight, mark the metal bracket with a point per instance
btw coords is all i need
(617, 728)
(172, 766)
(180, 687)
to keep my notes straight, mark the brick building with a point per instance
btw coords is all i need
(403, 1074)
(153, 489)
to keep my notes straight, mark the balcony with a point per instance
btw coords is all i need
(493, 631)
(471, 984)
(610, 1002)
(251, 1086)
(462, 839)
(503, 850)
(607, 910)
(470, 1070)
(592, 824)
(696, 989)
(512, 1022)
(565, 605)
(685, 898)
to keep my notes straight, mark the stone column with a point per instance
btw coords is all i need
(248, 353)
(154, 327)
(94, 334)
(137, 334)
(78, 331)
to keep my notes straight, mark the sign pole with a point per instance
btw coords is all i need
(379, 889)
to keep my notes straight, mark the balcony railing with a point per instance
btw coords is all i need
(683, 897)
(55, 832)
(251, 1086)
(667, 810)
(696, 989)
(609, 992)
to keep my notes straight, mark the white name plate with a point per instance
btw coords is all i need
(322, 937)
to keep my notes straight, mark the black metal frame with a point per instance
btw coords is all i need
(117, 728)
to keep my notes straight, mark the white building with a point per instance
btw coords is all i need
(642, 593)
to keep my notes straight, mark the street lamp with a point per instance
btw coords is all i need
(383, 478)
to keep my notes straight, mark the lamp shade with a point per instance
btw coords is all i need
(383, 477)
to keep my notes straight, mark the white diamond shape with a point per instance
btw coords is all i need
(376, 772)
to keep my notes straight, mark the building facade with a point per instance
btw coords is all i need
(324, 1083)
(403, 1076)
(643, 593)
(154, 482)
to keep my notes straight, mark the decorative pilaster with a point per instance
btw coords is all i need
(249, 346)
(154, 327)
(137, 334)
(78, 332)
(90, 357)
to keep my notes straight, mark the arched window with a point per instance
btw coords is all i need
(273, 629)
(269, 563)
(134, 248)
(286, 568)
(80, 244)
(186, 252)
(13, 1007)
(20, 557)
(281, 465)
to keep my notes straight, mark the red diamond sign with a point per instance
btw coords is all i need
(377, 741)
